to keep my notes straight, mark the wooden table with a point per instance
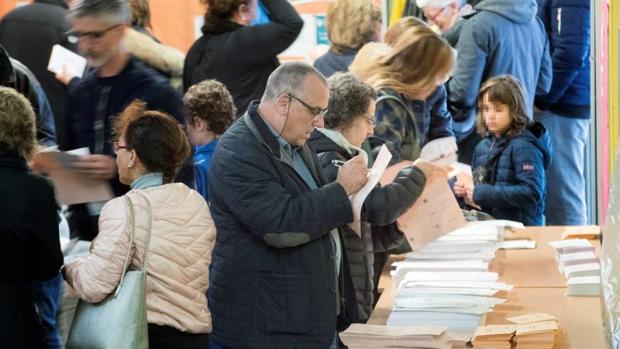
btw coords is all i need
(532, 268)
(539, 287)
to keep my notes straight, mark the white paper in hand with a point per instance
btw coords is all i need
(440, 151)
(63, 60)
(357, 200)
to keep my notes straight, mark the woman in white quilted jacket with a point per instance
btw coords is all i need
(150, 148)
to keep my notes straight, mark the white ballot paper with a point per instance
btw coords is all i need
(357, 200)
(440, 151)
(72, 187)
(434, 214)
(63, 60)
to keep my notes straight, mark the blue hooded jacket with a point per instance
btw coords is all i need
(509, 175)
(568, 29)
(501, 37)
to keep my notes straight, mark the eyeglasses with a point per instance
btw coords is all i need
(316, 111)
(116, 147)
(92, 35)
(432, 17)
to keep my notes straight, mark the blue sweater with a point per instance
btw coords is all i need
(509, 175)
(568, 28)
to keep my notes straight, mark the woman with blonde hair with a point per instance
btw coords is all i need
(409, 77)
(174, 233)
(350, 25)
(29, 241)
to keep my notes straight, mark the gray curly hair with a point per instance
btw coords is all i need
(348, 100)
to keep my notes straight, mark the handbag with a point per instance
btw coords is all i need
(119, 321)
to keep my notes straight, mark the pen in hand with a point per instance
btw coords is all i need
(338, 163)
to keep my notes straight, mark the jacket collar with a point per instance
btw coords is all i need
(261, 131)
(220, 28)
(7, 72)
(11, 159)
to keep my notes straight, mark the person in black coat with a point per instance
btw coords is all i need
(349, 121)
(279, 275)
(236, 54)
(28, 34)
(29, 241)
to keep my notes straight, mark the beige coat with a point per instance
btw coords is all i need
(179, 254)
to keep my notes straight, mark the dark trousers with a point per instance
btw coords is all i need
(165, 337)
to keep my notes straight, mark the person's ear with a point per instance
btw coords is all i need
(133, 158)
(243, 10)
(283, 103)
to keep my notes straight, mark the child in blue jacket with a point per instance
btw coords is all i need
(209, 111)
(509, 163)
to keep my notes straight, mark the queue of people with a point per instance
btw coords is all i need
(234, 198)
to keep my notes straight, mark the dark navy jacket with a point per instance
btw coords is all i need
(568, 28)
(272, 277)
(509, 175)
(333, 62)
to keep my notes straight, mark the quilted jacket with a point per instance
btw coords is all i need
(179, 254)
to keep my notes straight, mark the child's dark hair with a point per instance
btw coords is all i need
(158, 139)
(210, 101)
(507, 90)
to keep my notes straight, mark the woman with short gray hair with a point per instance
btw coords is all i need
(349, 121)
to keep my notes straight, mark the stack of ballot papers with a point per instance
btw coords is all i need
(494, 336)
(578, 262)
(364, 336)
(535, 331)
(448, 282)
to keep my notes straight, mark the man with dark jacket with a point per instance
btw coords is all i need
(565, 110)
(279, 276)
(501, 37)
(116, 80)
(28, 34)
(17, 76)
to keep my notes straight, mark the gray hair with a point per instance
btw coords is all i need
(113, 11)
(289, 78)
(348, 100)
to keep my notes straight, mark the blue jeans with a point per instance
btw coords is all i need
(47, 298)
(566, 185)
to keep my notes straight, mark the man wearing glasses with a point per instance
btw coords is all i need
(443, 14)
(279, 275)
(116, 80)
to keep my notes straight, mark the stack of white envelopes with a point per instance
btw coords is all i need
(578, 262)
(448, 282)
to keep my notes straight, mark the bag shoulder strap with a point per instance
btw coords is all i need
(147, 239)
(130, 217)
(132, 232)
